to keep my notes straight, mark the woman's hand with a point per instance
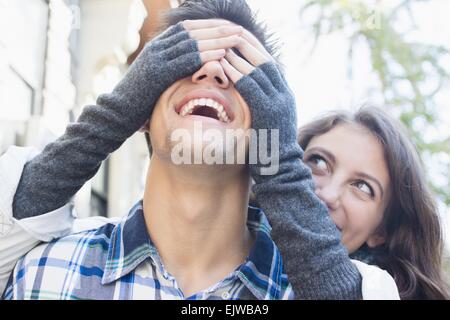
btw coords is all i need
(213, 37)
(260, 82)
(254, 53)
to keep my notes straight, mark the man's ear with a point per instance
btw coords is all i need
(375, 240)
(149, 143)
(145, 127)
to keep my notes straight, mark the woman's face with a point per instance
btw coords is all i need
(351, 178)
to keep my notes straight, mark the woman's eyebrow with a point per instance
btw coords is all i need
(327, 153)
(373, 179)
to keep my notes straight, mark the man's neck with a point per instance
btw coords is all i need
(196, 217)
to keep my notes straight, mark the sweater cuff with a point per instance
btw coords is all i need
(342, 282)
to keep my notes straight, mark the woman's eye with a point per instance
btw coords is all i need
(318, 162)
(364, 187)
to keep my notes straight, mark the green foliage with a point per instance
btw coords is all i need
(410, 73)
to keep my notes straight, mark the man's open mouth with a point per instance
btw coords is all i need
(205, 107)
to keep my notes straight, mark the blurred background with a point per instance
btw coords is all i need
(57, 56)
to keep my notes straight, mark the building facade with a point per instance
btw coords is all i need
(57, 56)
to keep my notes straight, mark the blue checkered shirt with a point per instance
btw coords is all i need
(119, 261)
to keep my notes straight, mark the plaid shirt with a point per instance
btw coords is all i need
(119, 261)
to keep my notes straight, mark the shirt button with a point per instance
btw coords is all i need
(226, 295)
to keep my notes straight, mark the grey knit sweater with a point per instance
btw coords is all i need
(316, 263)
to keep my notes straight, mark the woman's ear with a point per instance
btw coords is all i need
(375, 240)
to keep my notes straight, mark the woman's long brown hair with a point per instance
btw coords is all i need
(413, 248)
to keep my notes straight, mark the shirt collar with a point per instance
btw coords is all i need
(263, 273)
(130, 245)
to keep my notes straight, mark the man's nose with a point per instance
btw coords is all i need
(211, 73)
(330, 194)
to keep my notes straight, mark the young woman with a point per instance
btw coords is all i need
(369, 175)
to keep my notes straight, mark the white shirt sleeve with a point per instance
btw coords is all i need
(377, 284)
(17, 237)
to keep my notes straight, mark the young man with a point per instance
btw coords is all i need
(124, 260)
(194, 218)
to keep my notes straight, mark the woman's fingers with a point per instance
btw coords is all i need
(247, 35)
(238, 63)
(212, 55)
(219, 43)
(217, 32)
(250, 53)
(205, 23)
(216, 37)
(232, 73)
(213, 34)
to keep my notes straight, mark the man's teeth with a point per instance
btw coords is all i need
(189, 107)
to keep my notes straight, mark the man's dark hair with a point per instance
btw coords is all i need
(236, 11)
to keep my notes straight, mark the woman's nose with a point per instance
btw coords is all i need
(211, 73)
(330, 194)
